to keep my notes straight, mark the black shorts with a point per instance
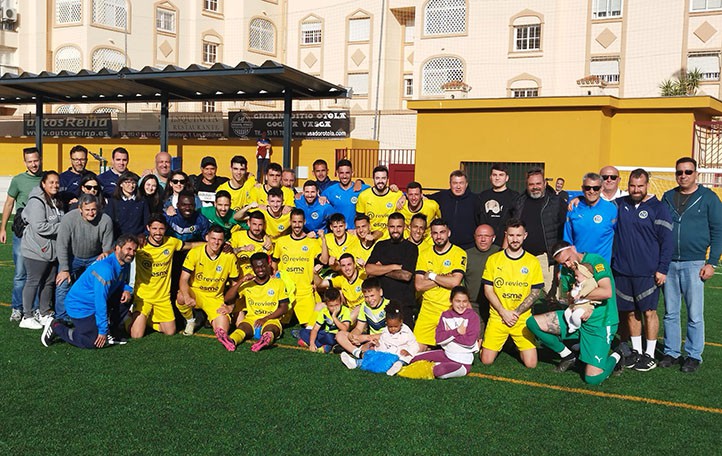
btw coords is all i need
(636, 293)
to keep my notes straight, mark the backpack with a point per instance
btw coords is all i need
(19, 222)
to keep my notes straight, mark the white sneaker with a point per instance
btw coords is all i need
(190, 327)
(395, 368)
(46, 338)
(16, 315)
(45, 319)
(349, 361)
(30, 323)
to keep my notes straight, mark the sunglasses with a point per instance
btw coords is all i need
(178, 181)
(688, 172)
(91, 187)
(609, 177)
(595, 188)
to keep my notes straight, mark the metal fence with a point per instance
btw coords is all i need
(365, 160)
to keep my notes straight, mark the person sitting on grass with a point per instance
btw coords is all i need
(332, 318)
(389, 350)
(89, 297)
(371, 316)
(266, 302)
(457, 334)
(206, 270)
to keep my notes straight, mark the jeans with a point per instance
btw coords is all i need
(77, 267)
(683, 281)
(20, 275)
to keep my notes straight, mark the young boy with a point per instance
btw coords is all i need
(330, 320)
(339, 241)
(372, 316)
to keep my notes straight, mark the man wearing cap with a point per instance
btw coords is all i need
(207, 182)
(599, 324)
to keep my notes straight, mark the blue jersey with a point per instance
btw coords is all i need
(344, 201)
(108, 181)
(191, 230)
(70, 184)
(89, 294)
(316, 214)
(591, 228)
(644, 242)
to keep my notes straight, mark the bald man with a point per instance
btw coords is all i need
(610, 184)
(476, 256)
(162, 167)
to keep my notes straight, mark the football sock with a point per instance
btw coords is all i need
(651, 346)
(238, 336)
(637, 344)
(551, 341)
(608, 368)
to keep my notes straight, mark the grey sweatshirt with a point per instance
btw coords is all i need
(43, 219)
(78, 238)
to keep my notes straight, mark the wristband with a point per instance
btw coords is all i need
(432, 276)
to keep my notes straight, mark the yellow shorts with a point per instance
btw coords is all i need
(210, 305)
(497, 332)
(251, 321)
(425, 327)
(305, 307)
(158, 312)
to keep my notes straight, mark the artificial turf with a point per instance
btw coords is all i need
(187, 395)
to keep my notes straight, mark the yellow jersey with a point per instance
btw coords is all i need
(429, 208)
(259, 194)
(347, 246)
(325, 321)
(358, 250)
(374, 317)
(513, 279)
(351, 291)
(263, 299)
(239, 196)
(242, 239)
(296, 257)
(276, 226)
(152, 270)
(452, 260)
(378, 208)
(208, 275)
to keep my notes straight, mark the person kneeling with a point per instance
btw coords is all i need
(266, 302)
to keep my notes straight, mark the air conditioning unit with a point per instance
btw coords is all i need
(10, 15)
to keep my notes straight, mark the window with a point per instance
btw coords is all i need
(112, 13)
(706, 64)
(262, 36)
(210, 5)
(311, 32)
(439, 71)
(606, 8)
(408, 85)
(443, 17)
(68, 11)
(106, 110)
(68, 59)
(209, 106)
(525, 93)
(165, 20)
(359, 83)
(706, 5)
(108, 58)
(359, 29)
(606, 69)
(67, 109)
(210, 52)
(527, 37)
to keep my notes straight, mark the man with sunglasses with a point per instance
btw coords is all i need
(590, 224)
(640, 263)
(610, 184)
(697, 226)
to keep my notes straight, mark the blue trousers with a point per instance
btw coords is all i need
(322, 338)
(77, 267)
(82, 335)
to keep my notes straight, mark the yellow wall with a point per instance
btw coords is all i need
(571, 135)
(56, 152)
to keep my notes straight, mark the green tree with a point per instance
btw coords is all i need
(686, 84)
